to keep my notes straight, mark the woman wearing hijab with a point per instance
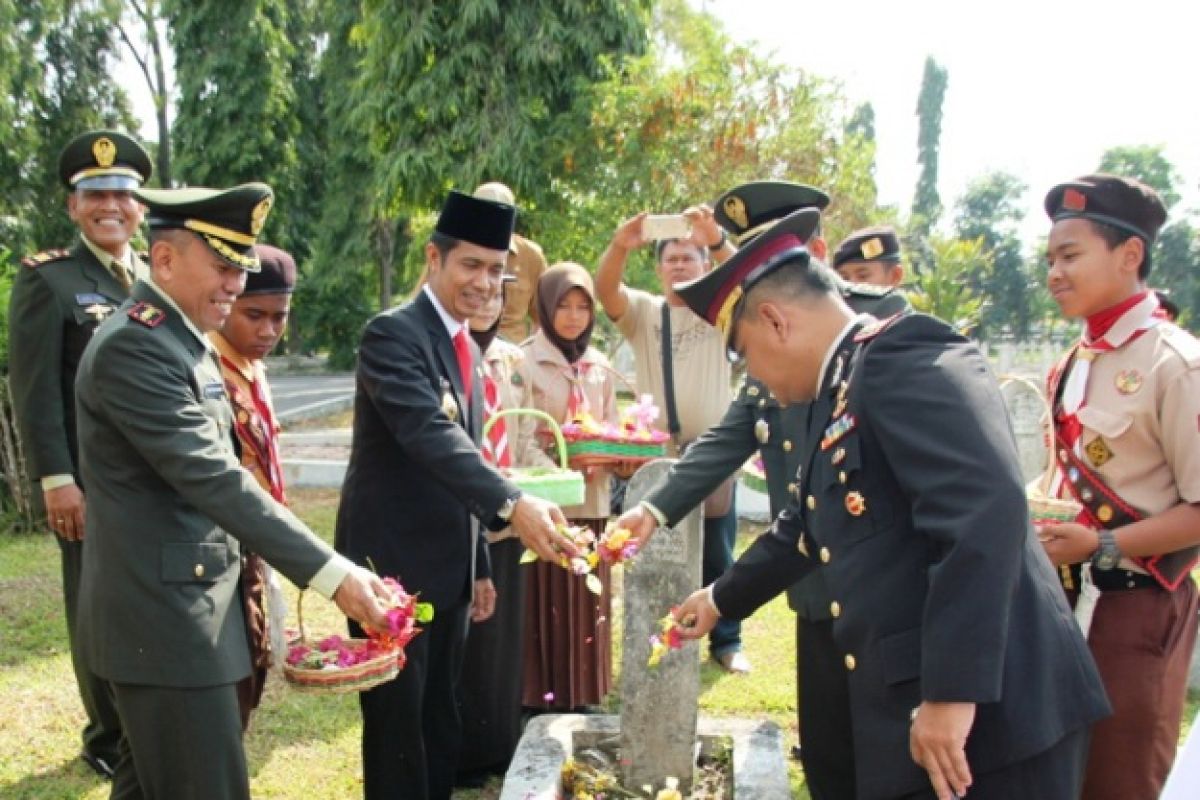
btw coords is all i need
(568, 638)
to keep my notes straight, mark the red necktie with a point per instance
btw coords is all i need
(495, 445)
(462, 349)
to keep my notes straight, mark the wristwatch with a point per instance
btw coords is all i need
(510, 505)
(712, 248)
(1107, 555)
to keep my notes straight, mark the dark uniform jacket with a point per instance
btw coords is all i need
(57, 301)
(913, 510)
(723, 448)
(169, 506)
(416, 477)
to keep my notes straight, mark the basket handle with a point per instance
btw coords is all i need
(542, 415)
(1043, 484)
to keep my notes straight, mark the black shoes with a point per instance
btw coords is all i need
(98, 765)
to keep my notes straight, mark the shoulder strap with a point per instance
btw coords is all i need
(668, 373)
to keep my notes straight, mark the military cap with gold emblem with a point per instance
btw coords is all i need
(878, 243)
(747, 210)
(104, 160)
(716, 295)
(1123, 203)
(227, 220)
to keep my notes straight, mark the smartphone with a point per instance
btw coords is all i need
(666, 226)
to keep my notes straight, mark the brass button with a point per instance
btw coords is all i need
(851, 663)
(841, 477)
(825, 555)
(199, 570)
(762, 402)
(835, 609)
(787, 445)
(811, 502)
(793, 488)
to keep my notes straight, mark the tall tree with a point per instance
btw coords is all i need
(238, 118)
(990, 211)
(927, 204)
(455, 92)
(693, 117)
(144, 36)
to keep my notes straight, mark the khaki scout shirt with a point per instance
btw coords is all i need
(519, 317)
(1141, 419)
(547, 373)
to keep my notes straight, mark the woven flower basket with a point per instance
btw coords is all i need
(1043, 507)
(332, 679)
(559, 485)
(593, 450)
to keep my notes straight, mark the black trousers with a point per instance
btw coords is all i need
(1054, 774)
(102, 732)
(826, 735)
(180, 744)
(411, 729)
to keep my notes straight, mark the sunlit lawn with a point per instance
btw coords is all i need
(300, 746)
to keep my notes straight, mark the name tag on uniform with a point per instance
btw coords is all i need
(214, 391)
(91, 298)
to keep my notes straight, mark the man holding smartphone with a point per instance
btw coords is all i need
(681, 361)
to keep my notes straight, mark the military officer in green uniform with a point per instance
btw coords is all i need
(170, 508)
(756, 421)
(58, 297)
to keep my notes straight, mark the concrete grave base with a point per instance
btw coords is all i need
(759, 765)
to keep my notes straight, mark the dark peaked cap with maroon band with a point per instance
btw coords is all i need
(715, 296)
(1123, 203)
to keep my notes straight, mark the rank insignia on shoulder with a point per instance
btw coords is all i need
(875, 328)
(44, 257)
(838, 429)
(148, 315)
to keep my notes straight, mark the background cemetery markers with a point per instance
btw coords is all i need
(659, 706)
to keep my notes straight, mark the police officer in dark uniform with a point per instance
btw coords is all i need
(58, 298)
(963, 667)
(756, 421)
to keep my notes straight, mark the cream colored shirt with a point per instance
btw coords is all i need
(701, 367)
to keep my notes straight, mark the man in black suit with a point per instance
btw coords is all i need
(963, 665)
(417, 489)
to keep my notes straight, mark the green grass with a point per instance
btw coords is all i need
(299, 746)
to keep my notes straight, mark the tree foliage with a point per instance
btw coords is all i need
(238, 117)
(694, 116)
(56, 62)
(990, 211)
(927, 203)
(945, 288)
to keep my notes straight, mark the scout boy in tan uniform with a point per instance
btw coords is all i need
(1126, 404)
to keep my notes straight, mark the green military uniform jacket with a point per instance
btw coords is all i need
(169, 507)
(58, 298)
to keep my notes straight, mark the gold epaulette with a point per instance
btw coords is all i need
(45, 257)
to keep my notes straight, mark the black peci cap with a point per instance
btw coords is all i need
(486, 223)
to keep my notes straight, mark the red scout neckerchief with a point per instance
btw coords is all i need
(577, 402)
(255, 426)
(495, 444)
(1106, 331)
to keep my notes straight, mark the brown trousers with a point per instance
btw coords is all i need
(1142, 641)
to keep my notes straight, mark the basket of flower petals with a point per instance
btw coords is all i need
(560, 485)
(339, 665)
(633, 440)
(754, 475)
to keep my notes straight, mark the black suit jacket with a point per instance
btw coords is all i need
(416, 477)
(943, 592)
